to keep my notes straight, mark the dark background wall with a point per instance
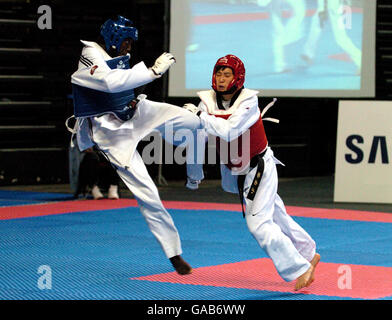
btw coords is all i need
(35, 69)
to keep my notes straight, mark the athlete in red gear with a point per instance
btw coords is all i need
(231, 113)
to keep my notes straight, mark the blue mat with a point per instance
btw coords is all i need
(93, 255)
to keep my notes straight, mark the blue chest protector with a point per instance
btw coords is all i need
(90, 102)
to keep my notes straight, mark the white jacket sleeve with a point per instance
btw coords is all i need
(99, 76)
(241, 120)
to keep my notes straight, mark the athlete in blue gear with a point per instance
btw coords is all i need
(110, 118)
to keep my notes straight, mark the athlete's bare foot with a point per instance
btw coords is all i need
(181, 266)
(308, 277)
(314, 262)
(303, 280)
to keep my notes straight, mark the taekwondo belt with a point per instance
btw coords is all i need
(256, 161)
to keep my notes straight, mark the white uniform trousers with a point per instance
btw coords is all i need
(288, 245)
(117, 140)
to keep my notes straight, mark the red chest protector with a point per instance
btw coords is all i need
(240, 151)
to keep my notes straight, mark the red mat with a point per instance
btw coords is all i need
(331, 279)
(36, 210)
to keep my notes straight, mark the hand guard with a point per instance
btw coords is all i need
(163, 63)
(192, 108)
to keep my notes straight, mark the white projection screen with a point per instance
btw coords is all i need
(290, 48)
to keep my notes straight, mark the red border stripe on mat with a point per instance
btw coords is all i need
(340, 214)
(35, 210)
(308, 212)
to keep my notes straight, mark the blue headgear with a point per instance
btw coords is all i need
(115, 32)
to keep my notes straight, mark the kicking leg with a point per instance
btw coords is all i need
(184, 130)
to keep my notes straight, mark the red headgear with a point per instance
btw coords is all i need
(238, 68)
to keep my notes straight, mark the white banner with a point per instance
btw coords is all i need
(363, 171)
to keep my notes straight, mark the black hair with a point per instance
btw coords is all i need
(218, 68)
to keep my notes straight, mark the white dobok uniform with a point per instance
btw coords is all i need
(288, 245)
(118, 139)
